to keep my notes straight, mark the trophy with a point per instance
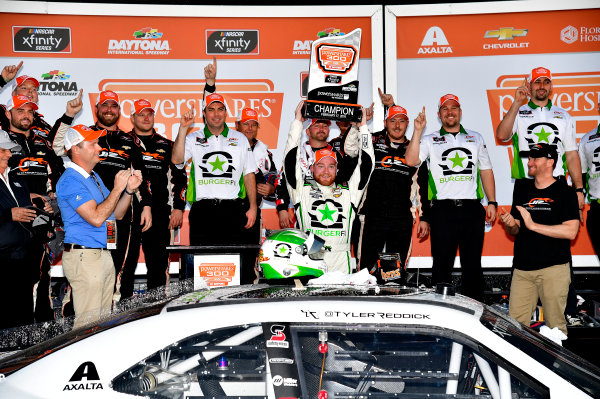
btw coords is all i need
(333, 79)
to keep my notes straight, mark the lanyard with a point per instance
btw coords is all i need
(98, 184)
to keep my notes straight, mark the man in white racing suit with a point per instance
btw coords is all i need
(322, 206)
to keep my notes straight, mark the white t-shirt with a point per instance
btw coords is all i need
(219, 163)
(454, 163)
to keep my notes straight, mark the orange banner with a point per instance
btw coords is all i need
(566, 31)
(91, 36)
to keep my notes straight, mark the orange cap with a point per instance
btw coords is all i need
(107, 95)
(23, 78)
(80, 133)
(140, 105)
(395, 110)
(248, 114)
(539, 72)
(448, 97)
(211, 98)
(19, 101)
(324, 153)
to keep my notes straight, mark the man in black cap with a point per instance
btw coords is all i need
(544, 219)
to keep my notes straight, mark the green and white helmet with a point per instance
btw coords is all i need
(292, 253)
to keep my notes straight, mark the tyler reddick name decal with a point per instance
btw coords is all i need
(316, 314)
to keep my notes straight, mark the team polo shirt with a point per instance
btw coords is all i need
(219, 164)
(454, 163)
(589, 153)
(76, 187)
(548, 124)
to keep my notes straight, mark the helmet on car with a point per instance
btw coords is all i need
(292, 253)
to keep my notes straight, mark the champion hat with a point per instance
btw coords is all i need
(395, 110)
(248, 114)
(24, 78)
(211, 98)
(107, 95)
(6, 143)
(539, 72)
(140, 105)
(80, 133)
(20, 101)
(448, 97)
(543, 150)
(324, 153)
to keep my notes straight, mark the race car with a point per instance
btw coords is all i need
(320, 342)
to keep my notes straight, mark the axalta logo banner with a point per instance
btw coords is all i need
(37, 39)
(498, 34)
(173, 98)
(145, 41)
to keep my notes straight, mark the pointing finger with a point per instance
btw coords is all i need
(80, 94)
(380, 92)
(20, 65)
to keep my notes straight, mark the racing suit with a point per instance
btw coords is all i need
(589, 153)
(156, 156)
(120, 151)
(328, 211)
(43, 127)
(397, 193)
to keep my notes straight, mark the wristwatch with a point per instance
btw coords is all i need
(579, 190)
(493, 203)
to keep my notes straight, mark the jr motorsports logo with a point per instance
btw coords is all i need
(302, 47)
(435, 42)
(57, 83)
(505, 38)
(576, 92)
(172, 98)
(145, 41)
(231, 42)
(584, 34)
(36, 39)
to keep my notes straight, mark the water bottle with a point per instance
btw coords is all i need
(504, 303)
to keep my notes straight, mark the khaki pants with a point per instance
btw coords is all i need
(550, 285)
(92, 277)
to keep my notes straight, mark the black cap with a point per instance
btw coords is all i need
(543, 150)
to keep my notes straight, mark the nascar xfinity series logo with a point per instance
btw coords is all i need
(231, 42)
(457, 164)
(35, 39)
(57, 83)
(146, 41)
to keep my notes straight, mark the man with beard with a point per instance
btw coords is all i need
(121, 151)
(457, 158)
(388, 206)
(540, 121)
(156, 155)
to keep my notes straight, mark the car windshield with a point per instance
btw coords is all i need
(572, 368)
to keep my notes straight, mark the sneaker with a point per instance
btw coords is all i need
(573, 320)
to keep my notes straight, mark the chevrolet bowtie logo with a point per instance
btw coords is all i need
(505, 33)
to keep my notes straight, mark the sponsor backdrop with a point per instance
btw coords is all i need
(482, 58)
(263, 63)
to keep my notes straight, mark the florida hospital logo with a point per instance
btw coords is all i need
(542, 132)
(327, 214)
(217, 164)
(457, 161)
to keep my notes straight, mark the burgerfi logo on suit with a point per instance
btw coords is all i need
(576, 92)
(172, 98)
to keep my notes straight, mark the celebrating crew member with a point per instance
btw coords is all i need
(266, 174)
(544, 220)
(325, 207)
(89, 211)
(540, 121)
(456, 158)
(221, 178)
(156, 155)
(589, 153)
(388, 205)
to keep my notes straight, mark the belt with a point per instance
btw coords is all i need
(217, 201)
(69, 247)
(457, 202)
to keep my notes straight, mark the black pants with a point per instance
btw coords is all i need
(219, 222)
(43, 302)
(125, 257)
(593, 225)
(252, 237)
(461, 227)
(378, 232)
